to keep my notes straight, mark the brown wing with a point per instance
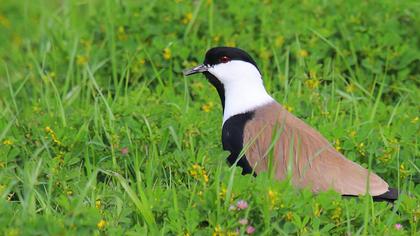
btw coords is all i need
(313, 161)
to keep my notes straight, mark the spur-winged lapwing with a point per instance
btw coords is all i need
(254, 122)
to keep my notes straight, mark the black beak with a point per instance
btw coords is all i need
(195, 70)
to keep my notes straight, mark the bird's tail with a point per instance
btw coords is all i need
(389, 196)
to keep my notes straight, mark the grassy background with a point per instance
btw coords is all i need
(101, 134)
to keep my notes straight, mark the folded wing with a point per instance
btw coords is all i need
(297, 150)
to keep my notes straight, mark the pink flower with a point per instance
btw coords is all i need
(243, 221)
(241, 205)
(250, 229)
(398, 226)
(124, 151)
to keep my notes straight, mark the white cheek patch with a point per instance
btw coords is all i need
(244, 89)
(234, 70)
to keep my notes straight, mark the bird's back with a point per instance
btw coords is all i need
(303, 153)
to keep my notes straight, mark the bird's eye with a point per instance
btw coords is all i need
(224, 59)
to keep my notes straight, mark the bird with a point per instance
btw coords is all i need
(262, 135)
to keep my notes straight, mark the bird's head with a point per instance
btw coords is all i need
(228, 65)
(236, 77)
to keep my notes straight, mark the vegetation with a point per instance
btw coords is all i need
(101, 134)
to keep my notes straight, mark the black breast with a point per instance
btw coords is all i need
(232, 139)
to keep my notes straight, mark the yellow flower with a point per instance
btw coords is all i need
(53, 135)
(350, 88)
(232, 233)
(271, 193)
(303, 53)
(198, 172)
(207, 107)
(193, 173)
(231, 43)
(167, 53)
(415, 119)
(336, 215)
(272, 197)
(288, 216)
(48, 75)
(394, 142)
(48, 129)
(218, 231)
(222, 193)
(81, 60)
(403, 171)
(279, 41)
(312, 83)
(337, 144)
(121, 35)
(60, 158)
(385, 158)
(8, 142)
(361, 149)
(204, 174)
(101, 224)
(216, 38)
(69, 193)
(51, 74)
(288, 108)
(187, 18)
(98, 204)
(353, 133)
(317, 210)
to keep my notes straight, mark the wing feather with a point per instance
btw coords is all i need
(315, 163)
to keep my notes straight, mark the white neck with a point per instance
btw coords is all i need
(242, 98)
(244, 95)
(244, 88)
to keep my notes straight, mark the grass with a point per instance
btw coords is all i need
(101, 134)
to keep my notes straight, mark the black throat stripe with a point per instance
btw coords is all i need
(232, 140)
(218, 85)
